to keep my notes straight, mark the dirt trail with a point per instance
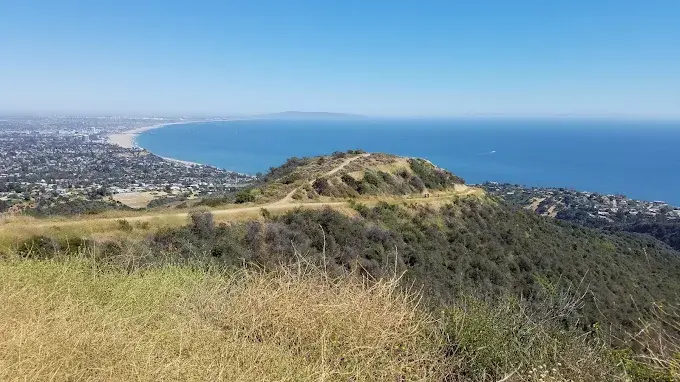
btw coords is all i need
(289, 197)
(345, 163)
(283, 204)
(274, 207)
(460, 190)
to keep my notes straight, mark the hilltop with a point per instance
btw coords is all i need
(352, 174)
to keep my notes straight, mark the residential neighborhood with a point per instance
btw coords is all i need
(583, 205)
(61, 160)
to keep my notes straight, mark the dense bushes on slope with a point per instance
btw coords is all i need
(583, 209)
(420, 176)
(423, 176)
(465, 247)
(285, 169)
(668, 232)
(74, 207)
(495, 275)
(658, 228)
(433, 177)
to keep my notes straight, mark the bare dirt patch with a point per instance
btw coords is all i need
(136, 199)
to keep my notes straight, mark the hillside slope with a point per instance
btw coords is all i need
(465, 246)
(607, 212)
(400, 209)
(75, 319)
(379, 216)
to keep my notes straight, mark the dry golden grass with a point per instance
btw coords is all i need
(68, 320)
(379, 162)
(21, 228)
(659, 338)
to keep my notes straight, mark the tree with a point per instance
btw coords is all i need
(244, 196)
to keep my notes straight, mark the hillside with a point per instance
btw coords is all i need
(364, 210)
(72, 319)
(377, 216)
(500, 293)
(354, 174)
(464, 246)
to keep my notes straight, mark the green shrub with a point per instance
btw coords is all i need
(244, 196)
(371, 178)
(417, 183)
(433, 177)
(45, 247)
(323, 187)
(350, 181)
(361, 208)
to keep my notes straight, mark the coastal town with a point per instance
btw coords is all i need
(51, 161)
(591, 208)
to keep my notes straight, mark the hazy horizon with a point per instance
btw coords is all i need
(583, 59)
(199, 117)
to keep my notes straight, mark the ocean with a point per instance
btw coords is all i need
(640, 159)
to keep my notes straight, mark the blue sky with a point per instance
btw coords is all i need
(411, 58)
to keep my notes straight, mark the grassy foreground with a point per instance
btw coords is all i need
(74, 319)
(65, 320)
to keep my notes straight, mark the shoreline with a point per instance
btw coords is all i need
(127, 139)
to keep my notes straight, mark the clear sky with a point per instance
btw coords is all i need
(414, 58)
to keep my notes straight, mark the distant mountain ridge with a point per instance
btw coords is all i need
(310, 115)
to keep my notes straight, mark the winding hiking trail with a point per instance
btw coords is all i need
(289, 197)
(278, 206)
(283, 204)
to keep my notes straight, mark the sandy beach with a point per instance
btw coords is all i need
(126, 138)
(185, 162)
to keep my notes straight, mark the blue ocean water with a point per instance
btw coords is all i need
(640, 159)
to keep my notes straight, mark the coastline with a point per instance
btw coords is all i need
(127, 139)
